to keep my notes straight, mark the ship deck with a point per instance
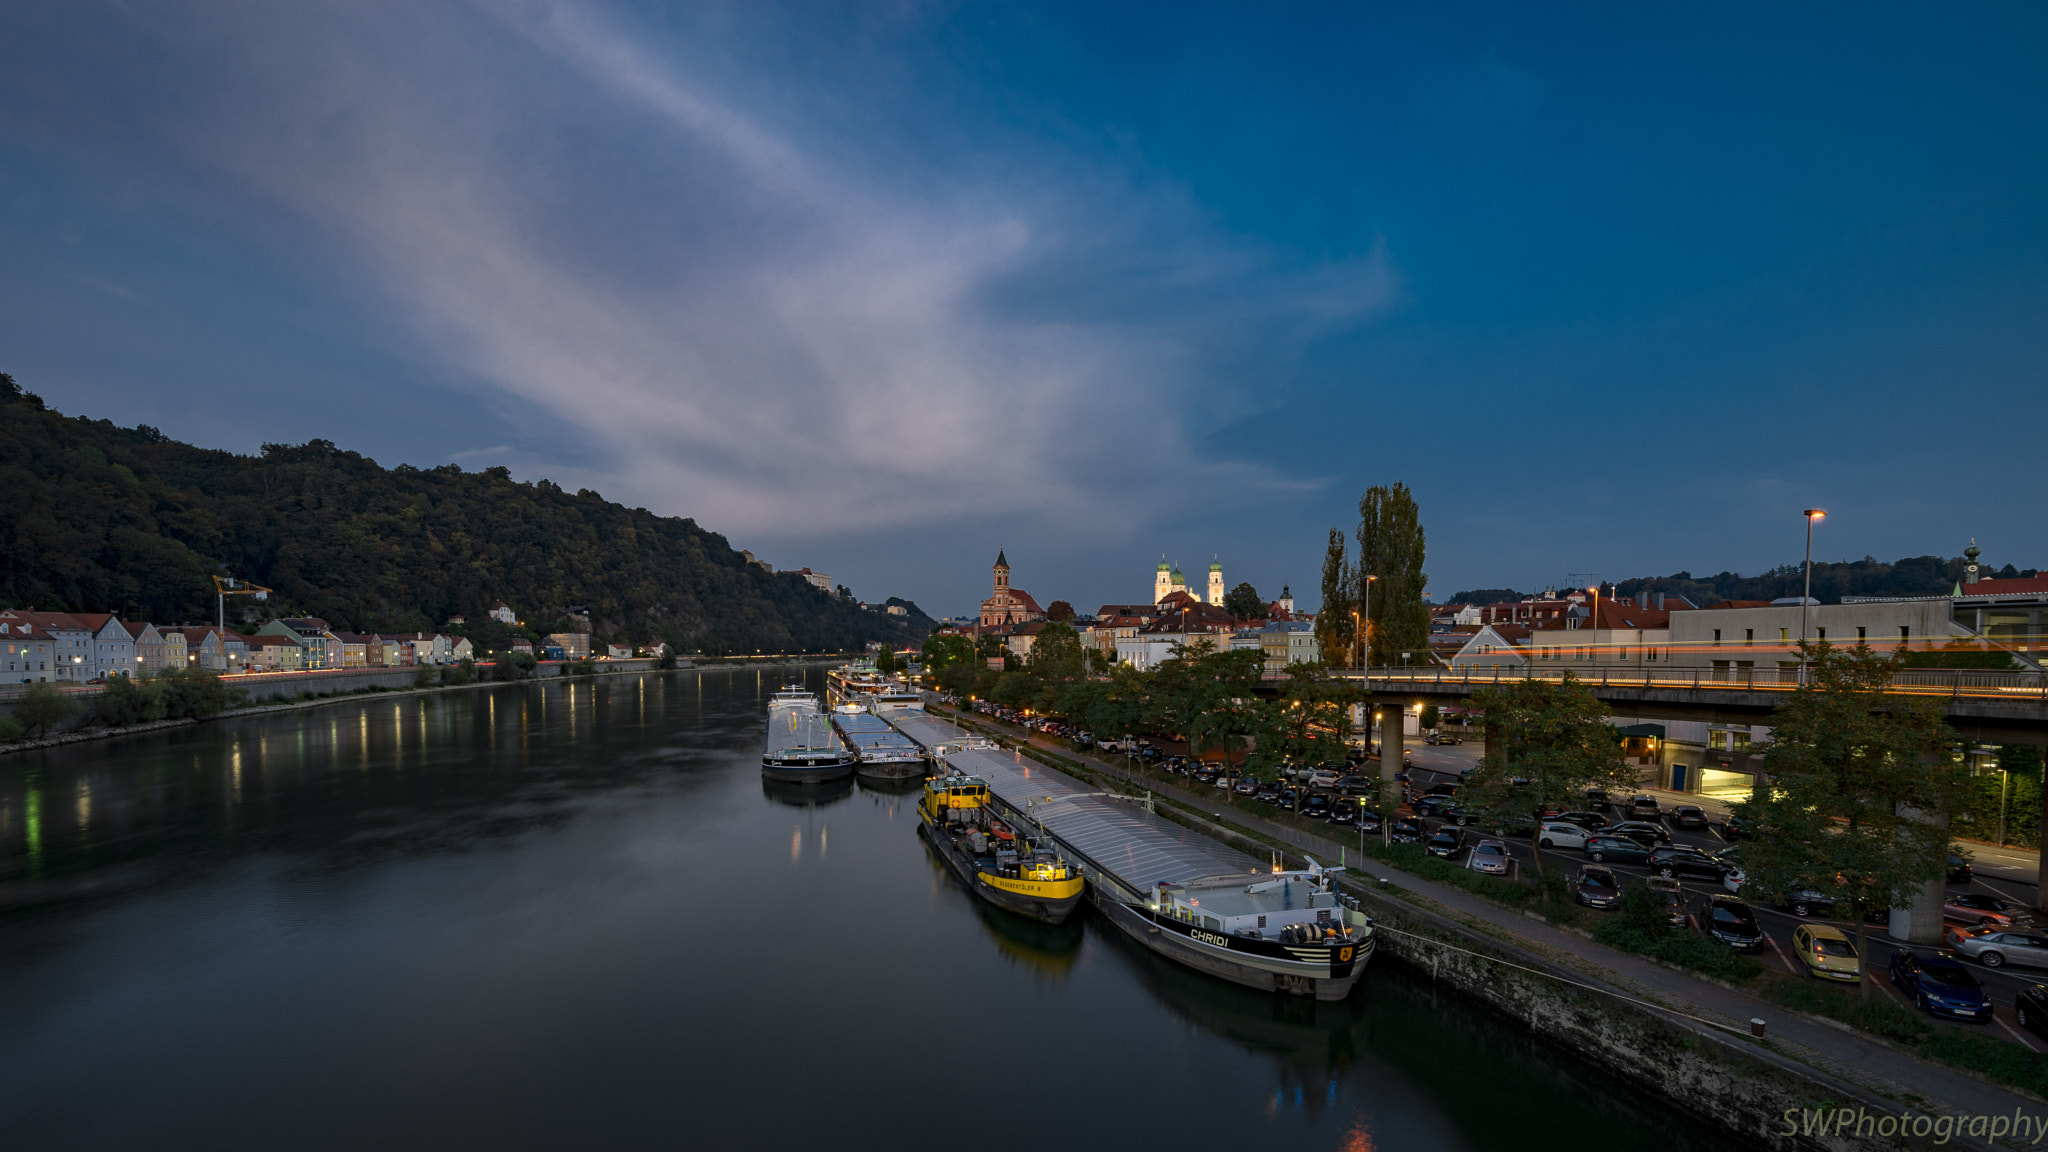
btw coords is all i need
(873, 740)
(1129, 846)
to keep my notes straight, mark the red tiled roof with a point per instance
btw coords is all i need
(2011, 585)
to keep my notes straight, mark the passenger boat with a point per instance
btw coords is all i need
(896, 697)
(802, 747)
(995, 858)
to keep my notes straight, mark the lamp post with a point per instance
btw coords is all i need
(1593, 645)
(1806, 597)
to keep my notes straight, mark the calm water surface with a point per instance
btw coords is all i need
(573, 916)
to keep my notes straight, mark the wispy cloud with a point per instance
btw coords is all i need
(727, 319)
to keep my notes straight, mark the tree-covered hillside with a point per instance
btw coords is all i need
(1910, 576)
(102, 518)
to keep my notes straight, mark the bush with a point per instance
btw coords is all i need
(423, 676)
(126, 702)
(43, 707)
(513, 666)
(458, 674)
(667, 663)
(10, 730)
(193, 693)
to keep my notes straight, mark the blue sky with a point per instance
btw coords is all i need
(881, 288)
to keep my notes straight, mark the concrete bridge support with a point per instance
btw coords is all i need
(1393, 745)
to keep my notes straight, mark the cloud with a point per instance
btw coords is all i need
(726, 313)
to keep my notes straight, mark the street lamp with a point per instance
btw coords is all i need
(1806, 598)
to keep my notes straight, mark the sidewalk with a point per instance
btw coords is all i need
(1830, 1048)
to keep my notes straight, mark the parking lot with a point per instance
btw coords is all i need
(1997, 878)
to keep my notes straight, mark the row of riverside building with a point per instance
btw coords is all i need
(1144, 635)
(83, 647)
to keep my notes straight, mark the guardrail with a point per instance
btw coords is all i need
(1950, 682)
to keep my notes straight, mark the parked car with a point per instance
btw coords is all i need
(1433, 805)
(1939, 985)
(1979, 908)
(1501, 823)
(1670, 897)
(1290, 798)
(2030, 1009)
(1604, 848)
(1343, 810)
(1317, 806)
(1269, 794)
(1591, 821)
(1733, 877)
(1670, 860)
(1827, 953)
(1735, 828)
(1731, 922)
(1807, 902)
(1447, 842)
(1441, 790)
(1488, 856)
(1598, 798)
(1560, 834)
(1324, 778)
(1358, 786)
(1247, 787)
(1995, 947)
(1406, 830)
(1959, 871)
(1596, 887)
(1641, 831)
(1368, 821)
(1643, 808)
(1687, 816)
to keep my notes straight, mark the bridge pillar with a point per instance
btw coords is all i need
(1393, 742)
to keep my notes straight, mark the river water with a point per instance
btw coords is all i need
(573, 916)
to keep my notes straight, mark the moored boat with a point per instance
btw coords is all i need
(995, 858)
(801, 746)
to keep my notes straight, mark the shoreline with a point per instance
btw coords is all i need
(88, 735)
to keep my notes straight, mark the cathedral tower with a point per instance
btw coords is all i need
(1162, 583)
(1216, 582)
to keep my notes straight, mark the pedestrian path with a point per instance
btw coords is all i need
(1828, 1047)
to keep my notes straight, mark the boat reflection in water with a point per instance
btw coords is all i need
(1046, 950)
(1364, 1063)
(890, 786)
(817, 795)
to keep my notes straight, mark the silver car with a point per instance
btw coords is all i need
(1996, 949)
(1488, 856)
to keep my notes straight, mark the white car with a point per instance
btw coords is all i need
(1488, 856)
(1324, 779)
(1562, 834)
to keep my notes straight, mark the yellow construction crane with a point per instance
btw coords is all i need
(226, 586)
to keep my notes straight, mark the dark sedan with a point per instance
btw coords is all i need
(1269, 794)
(1683, 860)
(1344, 811)
(1939, 985)
(1731, 922)
(1590, 821)
(1641, 831)
(1316, 807)
(1406, 830)
(1687, 816)
(1433, 805)
(1448, 843)
(2030, 1008)
(1368, 820)
(1605, 848)
(1596, 888)
(1959, 871)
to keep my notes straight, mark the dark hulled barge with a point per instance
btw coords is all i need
(1175, 891)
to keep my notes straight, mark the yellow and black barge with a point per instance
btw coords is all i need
(994, 857)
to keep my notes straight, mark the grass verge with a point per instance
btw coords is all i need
(1995, 1059)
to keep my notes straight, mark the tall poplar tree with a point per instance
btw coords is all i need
(1390, 547)
(1333, 619)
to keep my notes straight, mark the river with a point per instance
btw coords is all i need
(571, 915)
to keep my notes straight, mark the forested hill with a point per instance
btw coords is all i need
(101, 518)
